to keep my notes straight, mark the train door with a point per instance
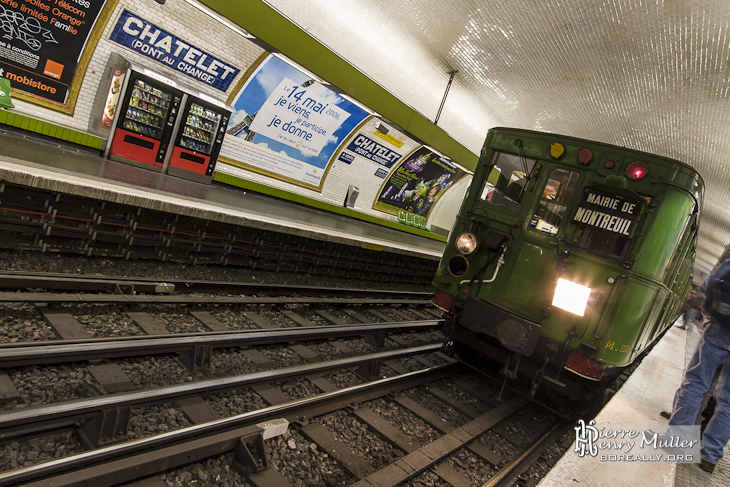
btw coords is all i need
(554, 200)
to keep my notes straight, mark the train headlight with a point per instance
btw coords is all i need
(466, 243)
(571, 297)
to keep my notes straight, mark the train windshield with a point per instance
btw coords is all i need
(601, 242)
(554, 200)
(507, 179)
(605, 230)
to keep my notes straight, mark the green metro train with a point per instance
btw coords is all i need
(567, 254)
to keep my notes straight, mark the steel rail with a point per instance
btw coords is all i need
(37, 473)
(15, 355)
(76, 282)
(12, 420)
(41, 297)
(509, 474)
(72, 341)
(15, 280)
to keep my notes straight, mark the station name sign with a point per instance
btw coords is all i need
(146, 38)
(610, 212)
(370, 149)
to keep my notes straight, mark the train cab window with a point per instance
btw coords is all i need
(506, 181)
(605, 243)
(601, 242)
(554, 200)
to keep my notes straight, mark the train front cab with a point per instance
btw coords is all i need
(568, 255)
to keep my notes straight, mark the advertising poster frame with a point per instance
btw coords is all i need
(287, 126)
(23, 32)
(417, 183)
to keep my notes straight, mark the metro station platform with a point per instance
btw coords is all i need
(33, 160)
(639, 402)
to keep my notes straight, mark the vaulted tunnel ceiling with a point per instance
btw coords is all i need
(651, 75)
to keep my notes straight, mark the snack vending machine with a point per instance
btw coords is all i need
(145, 121)
(196, 146)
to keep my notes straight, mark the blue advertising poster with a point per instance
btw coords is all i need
(146, 38)
(287, 125)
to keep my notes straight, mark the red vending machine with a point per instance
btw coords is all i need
(145, 120)
(199, 137)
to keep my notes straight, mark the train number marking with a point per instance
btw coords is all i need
(621, 349)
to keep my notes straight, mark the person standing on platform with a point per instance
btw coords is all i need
(712, 355)
(691, 308)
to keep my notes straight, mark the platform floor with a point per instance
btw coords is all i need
(648, 391)
(44, 163)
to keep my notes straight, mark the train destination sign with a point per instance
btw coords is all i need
(610, 212)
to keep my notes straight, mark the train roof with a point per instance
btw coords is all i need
(589, 142)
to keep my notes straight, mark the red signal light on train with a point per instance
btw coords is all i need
(636, 170)
(584, 155)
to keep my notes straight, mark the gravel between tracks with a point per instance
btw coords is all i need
(292, 454)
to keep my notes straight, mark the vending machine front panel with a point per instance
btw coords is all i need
(198, 142)
(199, 130)
(145, 125)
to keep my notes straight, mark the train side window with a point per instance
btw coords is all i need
(554, 200)
(506, 181)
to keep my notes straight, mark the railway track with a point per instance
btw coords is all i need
(54, 222)
(308, 386)
(262, 445)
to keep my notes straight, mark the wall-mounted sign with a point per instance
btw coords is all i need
(346, 157)
(372, 150)
(389, 138)
(42, 42)
(408, 218)
(610, 212)
(146, 38)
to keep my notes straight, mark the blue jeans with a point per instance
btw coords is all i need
(690, 315)
(712, 355)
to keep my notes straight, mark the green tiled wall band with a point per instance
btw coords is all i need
(278, 193)
(50, 130)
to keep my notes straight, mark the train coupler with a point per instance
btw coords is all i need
(540, 376)
(507, 373)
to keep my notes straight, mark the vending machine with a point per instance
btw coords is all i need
(198, 140)
(144, 121)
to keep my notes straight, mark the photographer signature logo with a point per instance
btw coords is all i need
(680, 444)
